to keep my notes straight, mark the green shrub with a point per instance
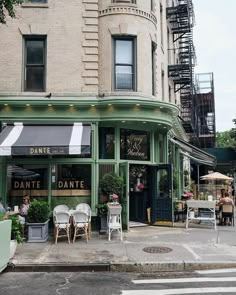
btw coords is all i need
(38, 212)
(111, 184)
(16, 229)
(102, 209)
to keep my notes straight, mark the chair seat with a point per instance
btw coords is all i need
(79, 224)
(62, 225)
(114, 225)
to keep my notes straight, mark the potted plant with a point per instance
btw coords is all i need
(16, 233)
(37, 221)
(110, 185)
(102, 213)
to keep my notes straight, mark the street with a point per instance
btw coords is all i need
(106, 283)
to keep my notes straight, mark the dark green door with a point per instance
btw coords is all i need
(161, 193)
(124, 173)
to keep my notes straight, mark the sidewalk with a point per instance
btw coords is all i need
(198, 247)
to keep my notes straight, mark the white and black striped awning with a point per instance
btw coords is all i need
(195, 154)
(20, 139)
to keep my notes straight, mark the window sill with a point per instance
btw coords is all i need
(34, 5)
(125, 4)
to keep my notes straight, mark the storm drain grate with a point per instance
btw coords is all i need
(157, 249)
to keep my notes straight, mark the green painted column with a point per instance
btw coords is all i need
(94, 172)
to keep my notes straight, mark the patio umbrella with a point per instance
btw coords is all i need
(212, 177)
(216, 176)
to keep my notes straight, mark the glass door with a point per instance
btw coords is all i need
(124, 173)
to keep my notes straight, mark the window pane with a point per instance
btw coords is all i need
(34, 78)
(124, 77)
(26, 179)
(124, 52)
(106, 143)
(38, 1)
(35, 52)
(134, 145)
(71, 184)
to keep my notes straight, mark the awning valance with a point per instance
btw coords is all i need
(195, 154)
(20, 139)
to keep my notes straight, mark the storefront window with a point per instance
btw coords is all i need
(71, 184)
(106, 143)
(134, 145)
(26, 179)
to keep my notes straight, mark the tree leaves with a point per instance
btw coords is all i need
(7, 7)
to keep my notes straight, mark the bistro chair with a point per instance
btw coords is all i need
(227, 213)
(60, 208)
(81, 224)
(62, 225)
(86, 208)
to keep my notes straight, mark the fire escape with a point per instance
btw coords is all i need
(181, 19)
(205, 109)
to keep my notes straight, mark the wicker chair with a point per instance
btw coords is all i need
(86, 208)
(81, 224)
(62, 225)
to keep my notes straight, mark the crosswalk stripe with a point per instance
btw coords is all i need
(213, 271)
(184, 280)
(180, 291)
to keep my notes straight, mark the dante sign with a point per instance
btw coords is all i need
(53, 150)
(70, 184)
(61, 184)
(31, 184)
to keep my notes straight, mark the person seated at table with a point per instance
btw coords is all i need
(24, 207)
(228, 201)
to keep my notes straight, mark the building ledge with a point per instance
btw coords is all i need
(34, 5)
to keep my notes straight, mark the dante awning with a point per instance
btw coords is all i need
(20, 139)
(194, 153)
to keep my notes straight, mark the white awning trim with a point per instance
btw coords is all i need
(5, 147)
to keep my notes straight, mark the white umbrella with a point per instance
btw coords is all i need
(216, 176)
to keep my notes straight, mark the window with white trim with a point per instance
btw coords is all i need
(124, 64)
(35, 58)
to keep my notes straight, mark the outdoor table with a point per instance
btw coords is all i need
(197, 204)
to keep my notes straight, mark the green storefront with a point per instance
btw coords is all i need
(126, 136)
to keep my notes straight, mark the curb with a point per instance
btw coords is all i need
(95, 267)
(169, 266)
(119, 267)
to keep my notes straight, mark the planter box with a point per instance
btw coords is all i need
(5, 234)
(37, 232)
(103, 224)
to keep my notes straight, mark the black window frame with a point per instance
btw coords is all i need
(43, 65)
(126, 145)
(133, 65)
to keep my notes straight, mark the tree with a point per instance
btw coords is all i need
(7, 6)
(225, 139)
(233, 133)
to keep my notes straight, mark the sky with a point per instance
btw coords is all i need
(214, 36)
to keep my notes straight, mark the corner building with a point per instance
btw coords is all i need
(85, 90)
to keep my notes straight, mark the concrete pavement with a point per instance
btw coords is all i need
(172, 249)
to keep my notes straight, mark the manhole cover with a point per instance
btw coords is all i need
(157, 249)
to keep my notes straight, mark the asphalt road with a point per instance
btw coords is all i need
(102, 283)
